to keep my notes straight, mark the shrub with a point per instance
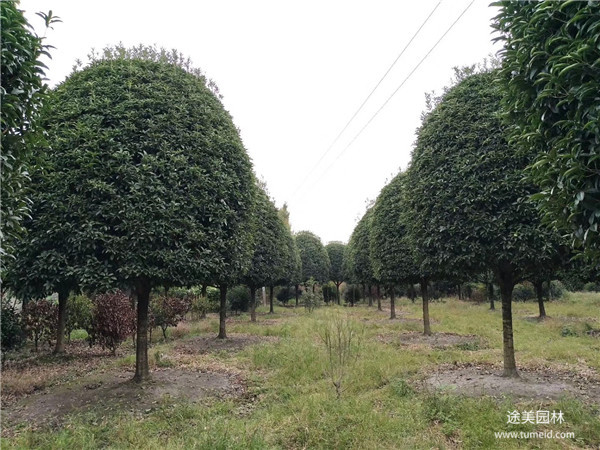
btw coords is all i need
(285, 294)
(168, 311)
(238, 298)
(39, 320)
(113, 320)
(79, 315)
(312, 300)
(11, 329)
(213, 295)
(353, 294)
(591, 287)
(523, 291)
(557, 289)
(329, 292)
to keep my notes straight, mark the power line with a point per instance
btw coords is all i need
(365, 100)
(397, 89)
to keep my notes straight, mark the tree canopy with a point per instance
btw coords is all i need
(358, 254)
(147, 182)
(551, 73)
(315, 261)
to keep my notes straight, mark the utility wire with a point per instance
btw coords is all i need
(397, 89)
(365, 100)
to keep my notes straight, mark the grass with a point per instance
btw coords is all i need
(292, 404)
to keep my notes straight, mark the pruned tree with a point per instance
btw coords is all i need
(550, 73)
(337, 253)
(467, 197)
(314, 257)
(392, 253)
(154, 182)
(358, 267)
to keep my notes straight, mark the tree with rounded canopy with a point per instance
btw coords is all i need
(392, 254)
(271, 249)
(467, 197)
(292, 270)
(22, 93)
(315, 261)
(552, 78)
(336, 252)
(358, 266)
(151, 180)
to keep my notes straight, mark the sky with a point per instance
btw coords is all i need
(292, 74)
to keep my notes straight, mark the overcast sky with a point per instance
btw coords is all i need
(292, 74)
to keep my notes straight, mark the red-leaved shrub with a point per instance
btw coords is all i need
(40, 319)
(168, 311)
(113, 320)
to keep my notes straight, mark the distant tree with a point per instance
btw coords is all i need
(551, 76)
(337, 252)
(359, 268)
(147, 175)
(284, 215)
(392, 253)
(314, 257)
(271, 249)
(467, 197)
(22, 94)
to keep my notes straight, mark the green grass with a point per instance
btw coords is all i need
(383, 404)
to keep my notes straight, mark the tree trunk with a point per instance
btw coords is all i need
(271, 310)
(369, 290)
(507, 284)
(379, 298)
(413, 293)
(142, 371)
(297, 293)
(460, 297)
(252, 304)
(223, 313)
(313, 287)
(539, 292)
(425, 295)
(203, 291)
(337, 292)
(490, 292)
(63, 296)
(392, 303)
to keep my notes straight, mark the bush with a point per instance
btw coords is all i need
(40, 320)
(557, 290)
(238, 298)
(113, 320)
(523, 291)
(353, 294)
(285, 294)
(214, 298)
(11, 330)
(312, 300)
(591, 287)
(79, 314)
(168, 311)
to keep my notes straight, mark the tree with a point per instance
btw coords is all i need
(392, 255)
(271, 249)
(550, 72)
(154, 179)
(467, 197)
(314, 257)
(359, 268)
(22, 94)
(336, 252)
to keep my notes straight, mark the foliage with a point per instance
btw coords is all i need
(314, 257)
(168, 310)
(39, 320)
(329, 292)
(271, 257)
(147, 182)
(353, 293)
(80, 313)
(11, 331)
(312, 300)
(550, 71)
(523, 291)
(113, 320)
(285, 294)
(465, 189)
(336, 252)
(391, 253)
(238, 298)
(22, 93)
(358, 267)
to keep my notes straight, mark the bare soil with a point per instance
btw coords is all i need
(436, 340)
(109, 391)
(541, 384)
(235, 342)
